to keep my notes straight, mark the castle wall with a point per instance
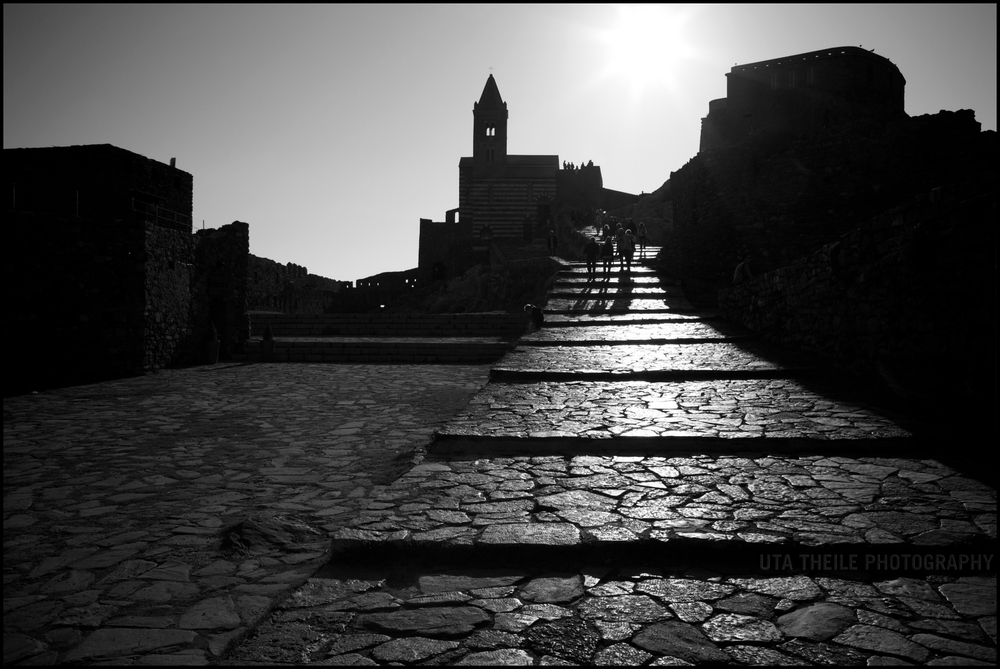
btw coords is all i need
(219, 287)
(75, 310)
(167, 275)
(780, 199)
(98, 180)
(911, 290)
(288, 288)
(802, 93)
(445, 249)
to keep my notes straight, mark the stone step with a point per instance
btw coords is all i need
(717, 409)
(572, 319)
(469, 350)
(579, 280)
(486, 324)
(583, 308)
(624, 507)
(634, 332)
(720, 357)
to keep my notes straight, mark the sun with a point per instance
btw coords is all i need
(646, 46)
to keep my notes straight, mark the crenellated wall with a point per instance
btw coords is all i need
(288, 288)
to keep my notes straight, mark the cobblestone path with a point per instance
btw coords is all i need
(152, 520)
(641, 484)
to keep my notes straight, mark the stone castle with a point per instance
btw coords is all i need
(803, 149)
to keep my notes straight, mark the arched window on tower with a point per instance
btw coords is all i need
(491, 130)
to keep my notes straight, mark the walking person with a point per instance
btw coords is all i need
(642, 239)
(629, 249)
(619, 242)
(552, 242)
(590, 251)
(608, 254)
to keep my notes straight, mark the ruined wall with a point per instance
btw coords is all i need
(780, 199)
(910, 292)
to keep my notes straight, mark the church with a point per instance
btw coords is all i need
(502, 198)
(495, 189)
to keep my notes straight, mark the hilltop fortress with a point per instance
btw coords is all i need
(803, 149)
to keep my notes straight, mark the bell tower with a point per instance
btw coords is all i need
(489, 125)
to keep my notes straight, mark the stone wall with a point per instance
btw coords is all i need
(289, 288)
(168, 271)
(219, 288)
(779, 200)
(802, 93)
(445, 249)
(98, 180)
(909, 295)
(75, 302)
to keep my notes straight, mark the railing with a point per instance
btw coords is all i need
(162, 216)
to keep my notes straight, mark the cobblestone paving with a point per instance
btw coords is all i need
(665, 534)
(653, 332)
(616, 303)
(629, 615)
(711, 556)
(568, 318)
(717, 409)
(629, 358)
(123, 501)
(809, 501)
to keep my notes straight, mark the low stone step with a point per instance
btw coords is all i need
(626, 507)
(717, 409)
(721, 357)
(635, 332)
(570, 319)
(486, 324)
(381, 349)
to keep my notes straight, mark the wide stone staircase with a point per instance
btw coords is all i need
(641, 483)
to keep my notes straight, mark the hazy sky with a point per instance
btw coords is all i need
(332, 129)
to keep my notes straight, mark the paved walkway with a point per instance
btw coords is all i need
(151, 520)
(638, 484)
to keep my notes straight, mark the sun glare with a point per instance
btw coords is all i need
(646, 47)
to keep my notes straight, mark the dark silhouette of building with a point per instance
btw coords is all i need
(797, 94)
(504, 198)
(495, 188)
(107, 278)
(804, 149)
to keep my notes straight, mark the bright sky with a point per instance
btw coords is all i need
(332, 129)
